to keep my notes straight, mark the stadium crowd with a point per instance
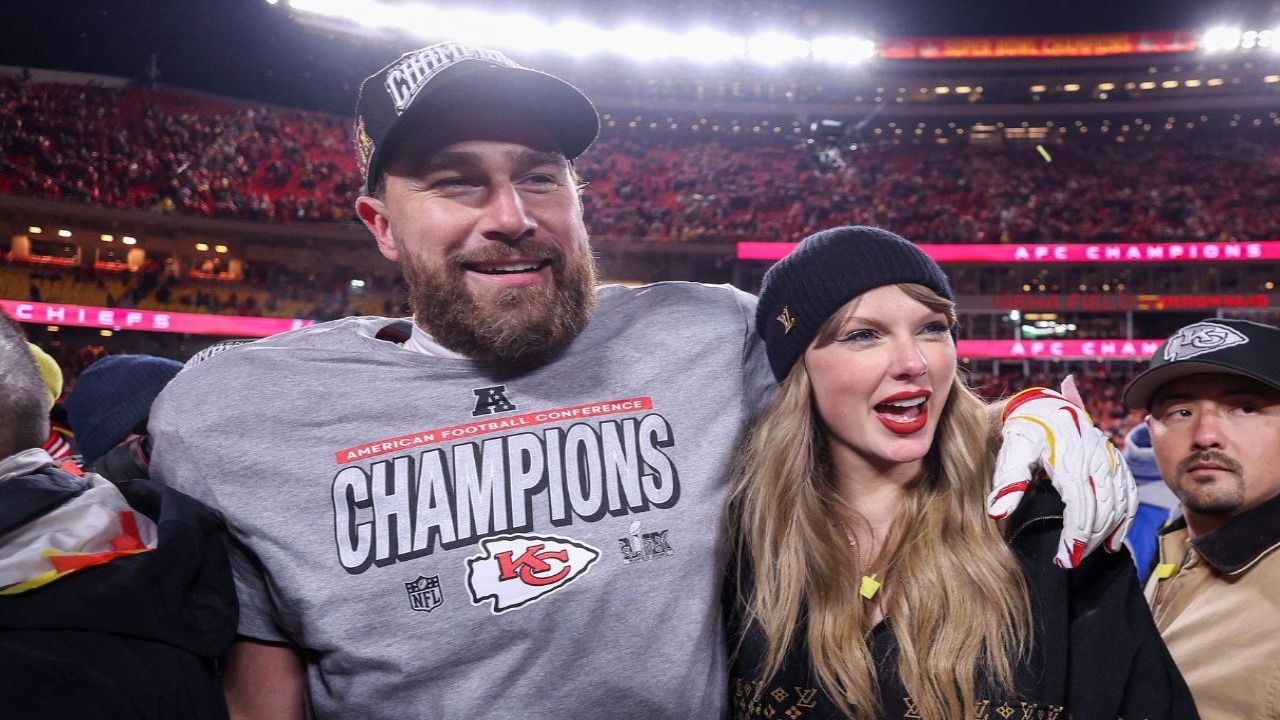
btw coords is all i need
(1094, 190)
(169, 151)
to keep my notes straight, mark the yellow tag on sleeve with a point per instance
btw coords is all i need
(870, 586)
(1164, 571)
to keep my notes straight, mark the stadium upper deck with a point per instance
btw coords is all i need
(693, 159)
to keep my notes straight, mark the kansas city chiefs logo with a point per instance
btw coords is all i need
(515, 570)
(1202, 338)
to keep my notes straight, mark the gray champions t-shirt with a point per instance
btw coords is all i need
(447, 542)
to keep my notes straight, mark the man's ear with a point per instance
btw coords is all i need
(373, 213)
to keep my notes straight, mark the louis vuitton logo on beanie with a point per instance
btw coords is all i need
(787, 321)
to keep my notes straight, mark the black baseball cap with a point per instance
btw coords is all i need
(428, 84)
(1230, 347)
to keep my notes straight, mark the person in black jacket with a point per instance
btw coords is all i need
(115, 600)
(868, 582)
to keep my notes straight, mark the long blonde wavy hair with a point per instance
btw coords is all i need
(953, 592)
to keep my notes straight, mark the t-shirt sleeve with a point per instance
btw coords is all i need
(176, 464)
(257, 610)
(757, 377)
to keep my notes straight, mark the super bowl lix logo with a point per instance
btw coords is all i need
(515, 570)
(638, 547)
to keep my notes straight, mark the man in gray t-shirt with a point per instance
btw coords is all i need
(509, 507)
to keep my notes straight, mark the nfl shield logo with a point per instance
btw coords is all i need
(424, 593)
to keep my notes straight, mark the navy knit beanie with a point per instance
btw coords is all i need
(825, 271)
(112, 396)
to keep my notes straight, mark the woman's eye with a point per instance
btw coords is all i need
(937, 328)
(858, 336)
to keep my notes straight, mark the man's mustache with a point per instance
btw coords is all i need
(1209, 458)
(501, 252)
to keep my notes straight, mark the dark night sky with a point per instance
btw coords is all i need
(246, 48)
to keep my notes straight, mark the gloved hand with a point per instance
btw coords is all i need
(1048, 431)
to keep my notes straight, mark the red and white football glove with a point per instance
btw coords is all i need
(1044, 430)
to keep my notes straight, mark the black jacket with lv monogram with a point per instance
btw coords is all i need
(1096, 654)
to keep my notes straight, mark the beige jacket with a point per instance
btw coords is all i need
(1218, 610)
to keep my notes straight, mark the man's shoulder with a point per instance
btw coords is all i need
(331, 336)
(328, 334)
(675, 293)
(256, 363)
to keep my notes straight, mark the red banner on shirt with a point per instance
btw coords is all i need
(492, 425)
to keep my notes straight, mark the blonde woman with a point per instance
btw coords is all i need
(868, 581)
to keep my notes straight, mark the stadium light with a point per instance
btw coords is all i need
(706, 45)
(1225, 39)
(365, 12)
(579, 37)
(1221, 39)
(773, 48)
(642, 43)
(519, 32)
(513, 31)
(842, 49)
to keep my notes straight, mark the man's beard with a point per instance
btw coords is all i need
(1222, 498)
(517, 327)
